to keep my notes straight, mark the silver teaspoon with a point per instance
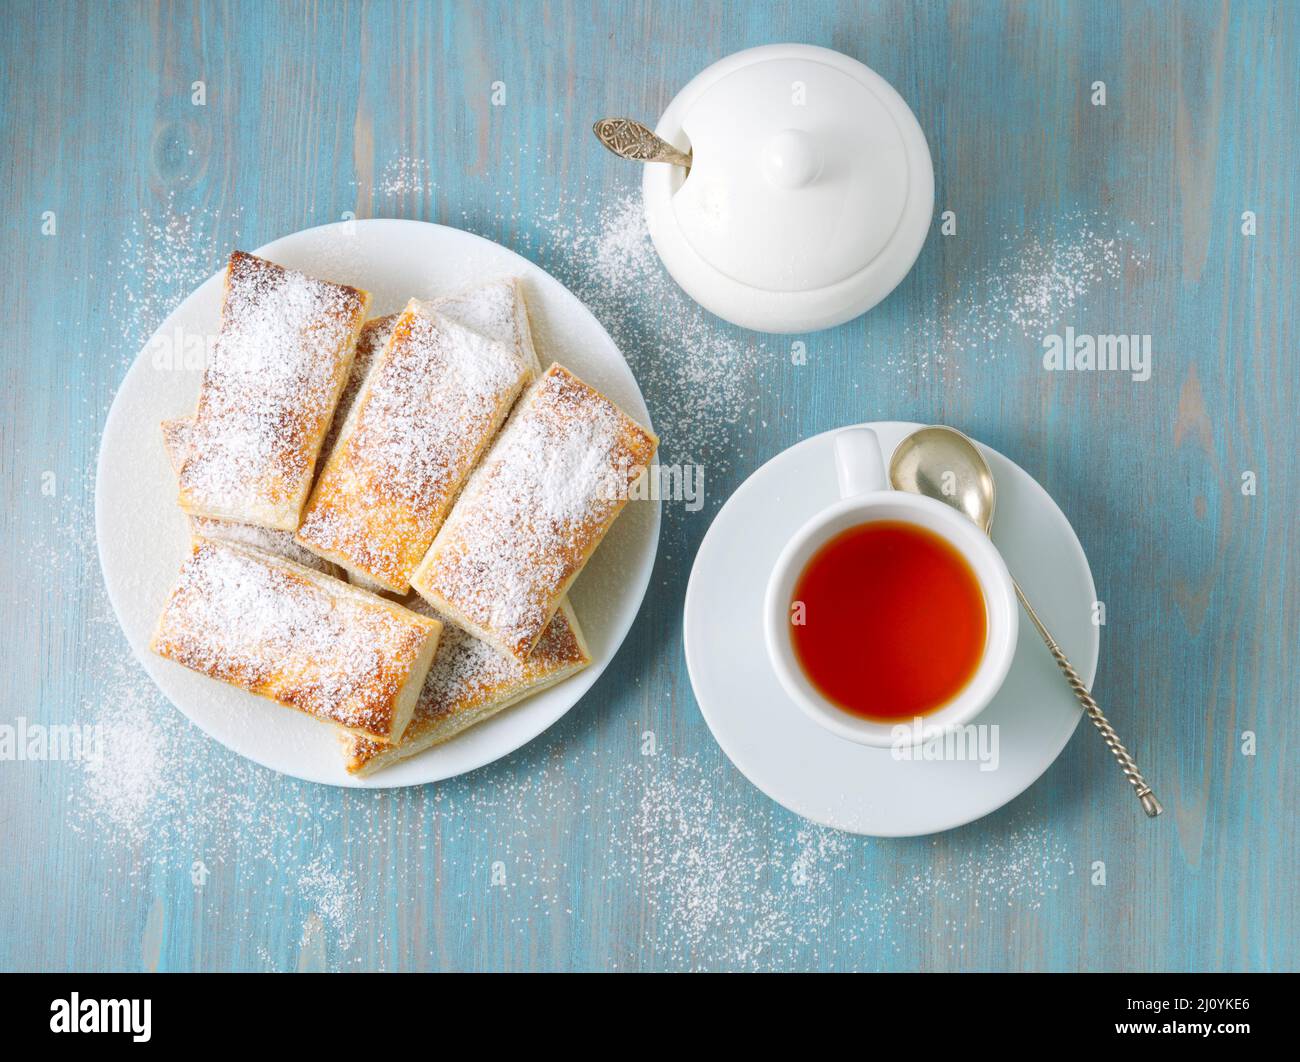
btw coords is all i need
(918, 466)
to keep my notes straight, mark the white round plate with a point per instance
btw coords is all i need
(839, 783)
(143, 536)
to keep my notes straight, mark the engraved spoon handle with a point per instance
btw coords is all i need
(629, 139)
(1149, 802)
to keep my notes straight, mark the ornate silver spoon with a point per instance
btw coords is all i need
(629, 139)
(918, 467)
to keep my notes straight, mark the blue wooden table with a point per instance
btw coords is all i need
(1110, 167)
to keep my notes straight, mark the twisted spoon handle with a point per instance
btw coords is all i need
(1149, 802)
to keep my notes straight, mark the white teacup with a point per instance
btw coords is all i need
(865, 498)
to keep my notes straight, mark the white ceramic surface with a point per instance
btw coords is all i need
(819, 775)
(810, 193)
(865, 498)
(143, 536)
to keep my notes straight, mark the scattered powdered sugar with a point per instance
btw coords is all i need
(124, 783)
(1049, 276)
(723, 882)
(1030, 287)
(702, 378)
(1014, 870)
(731, 889)
(736, 886)
(163, 257)
(405, 175)
(333, 892)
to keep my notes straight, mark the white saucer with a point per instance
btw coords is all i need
(823, 777)
(143, 536)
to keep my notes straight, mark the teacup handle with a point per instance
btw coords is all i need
(859, 464)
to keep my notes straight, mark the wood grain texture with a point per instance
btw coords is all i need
(311, 110)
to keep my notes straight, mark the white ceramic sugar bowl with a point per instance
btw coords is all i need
(810, 193)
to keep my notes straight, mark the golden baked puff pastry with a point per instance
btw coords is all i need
(470, 681)
(176, 441)
(495, 309)
(300, 638)
(269, 390)
(533, 513)
(430, 405)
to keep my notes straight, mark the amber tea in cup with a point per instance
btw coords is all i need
(888, 621)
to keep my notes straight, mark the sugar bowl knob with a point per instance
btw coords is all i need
(791, 158)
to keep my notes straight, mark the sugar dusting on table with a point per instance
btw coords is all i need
(404, 175)
(703, 379)
(1030, 285)
(163, 256)
(331, 888)
(756, 888)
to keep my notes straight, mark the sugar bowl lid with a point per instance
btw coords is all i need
(810, 190)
